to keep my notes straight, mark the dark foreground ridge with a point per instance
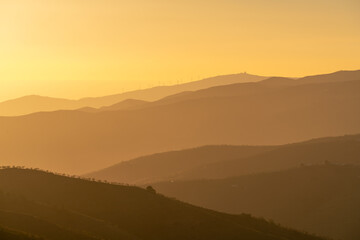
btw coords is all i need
(58, 207)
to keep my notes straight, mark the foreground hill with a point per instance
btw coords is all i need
(31, 104)
(226, 161)
(57, 207)
(272, 113)
(318, 199)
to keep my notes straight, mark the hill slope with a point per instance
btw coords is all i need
(318, 199)
(139, 213)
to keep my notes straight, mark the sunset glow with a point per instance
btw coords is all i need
(84, 48)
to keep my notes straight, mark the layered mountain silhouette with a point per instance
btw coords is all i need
(246, 89)
(34, 103)
(272, 112)
(58, 207)
(321, 199)
(213, 162)
(31, 104)
(237, 144)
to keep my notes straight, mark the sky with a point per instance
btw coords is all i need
(81, 48)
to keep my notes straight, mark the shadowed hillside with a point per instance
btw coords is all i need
(339, 150)
(53, 222)
(226, 161)
(11, 235)
(321, 199)
(80, 142)
(31, 104)
(168, 165)
(139, 214)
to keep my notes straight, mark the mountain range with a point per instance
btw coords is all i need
(262, 113)
(283, 150)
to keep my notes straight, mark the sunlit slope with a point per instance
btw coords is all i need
(140, 213)
(321, 199)
(31, 104)
(80, 142)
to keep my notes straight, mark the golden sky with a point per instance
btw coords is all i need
(77, 48)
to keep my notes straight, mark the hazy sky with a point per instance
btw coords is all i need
(76, 48)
